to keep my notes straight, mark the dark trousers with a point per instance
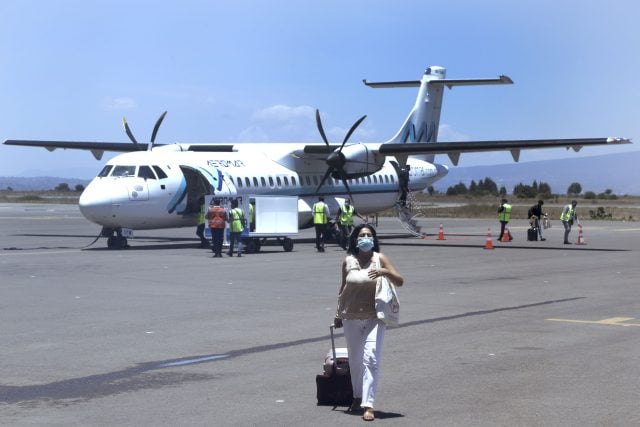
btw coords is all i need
(217, 235)
(503, 224)
(567, 230)
(345, 231)
(200, 234)
(235, 237)
(321, 235)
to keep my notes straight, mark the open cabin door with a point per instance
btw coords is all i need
(201, 183)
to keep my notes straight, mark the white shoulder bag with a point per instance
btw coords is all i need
(387, 303)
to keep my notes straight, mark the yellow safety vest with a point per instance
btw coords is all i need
(346, 215)
(201, 215)
(319, 216)
(237, 217)
(568, 213)
(505, 215)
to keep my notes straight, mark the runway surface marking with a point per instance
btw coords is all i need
(612, 321)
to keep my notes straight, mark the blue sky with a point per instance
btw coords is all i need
(256, 70)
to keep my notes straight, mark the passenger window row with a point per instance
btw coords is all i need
(310, 180)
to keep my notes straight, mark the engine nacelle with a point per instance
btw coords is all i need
(360, 161)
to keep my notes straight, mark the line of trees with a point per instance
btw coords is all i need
(541, 190)
(64, 187)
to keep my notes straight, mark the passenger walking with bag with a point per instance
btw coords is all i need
(362, 271)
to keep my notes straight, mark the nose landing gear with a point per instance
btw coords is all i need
(115, 239)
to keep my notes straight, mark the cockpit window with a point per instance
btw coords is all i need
(105, 171)
(146, 172)
(160, 172)
(124, 171)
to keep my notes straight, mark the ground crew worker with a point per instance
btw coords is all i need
(236, 221)
(567, 217)
(344, 219)
(252, 215)
(217, 216)
(321, 214)
(200, 228)
(403, 182)
(504, 215)
(535, 216)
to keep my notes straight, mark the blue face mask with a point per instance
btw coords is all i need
(365, 244)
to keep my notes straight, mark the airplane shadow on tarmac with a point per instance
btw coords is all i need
(147, 376)
(161, 242)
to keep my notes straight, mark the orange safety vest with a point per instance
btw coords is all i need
(216, 217)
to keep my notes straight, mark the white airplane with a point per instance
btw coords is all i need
(155, 186)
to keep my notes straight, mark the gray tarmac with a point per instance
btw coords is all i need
(526, 334)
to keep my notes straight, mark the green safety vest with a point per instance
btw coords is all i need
(237, 217)
(568, 213)
(346, 215)
(505, 215)
(201, 215)
(319, 216)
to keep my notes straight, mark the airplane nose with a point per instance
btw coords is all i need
(95, 205)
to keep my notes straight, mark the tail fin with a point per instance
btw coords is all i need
(422, 123)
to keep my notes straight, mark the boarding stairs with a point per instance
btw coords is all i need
(407, 216)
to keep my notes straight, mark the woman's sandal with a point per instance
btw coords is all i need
(368, 414)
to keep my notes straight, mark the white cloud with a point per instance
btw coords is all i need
(284, 123)
(284, 113)
(119, 103)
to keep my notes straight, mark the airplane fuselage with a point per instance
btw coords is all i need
(160, 188)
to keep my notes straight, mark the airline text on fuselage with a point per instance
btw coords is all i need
(226, 163)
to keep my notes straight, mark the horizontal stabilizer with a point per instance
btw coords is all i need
(446, 82)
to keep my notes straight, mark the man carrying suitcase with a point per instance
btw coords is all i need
(535, 214)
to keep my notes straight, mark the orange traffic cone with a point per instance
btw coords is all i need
(489, 243)
(441, 233)
(506, 236)
(580, 237)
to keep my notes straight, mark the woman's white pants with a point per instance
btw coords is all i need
(364, 343)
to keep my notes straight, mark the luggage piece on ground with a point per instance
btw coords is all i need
(334, 385)
(342, 362)
(532, 234)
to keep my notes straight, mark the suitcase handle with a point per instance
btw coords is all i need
(333, 349)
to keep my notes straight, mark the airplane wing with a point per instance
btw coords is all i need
(454, 149)
(96, 148)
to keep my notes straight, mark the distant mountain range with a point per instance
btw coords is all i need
(618, 172)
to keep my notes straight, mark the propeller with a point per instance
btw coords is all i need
(336, 160)
(127, 130)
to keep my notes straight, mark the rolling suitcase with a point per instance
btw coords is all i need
(334, 384)
(532, 234)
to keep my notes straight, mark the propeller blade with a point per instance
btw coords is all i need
(324, 178)
(156, 127)
(343, 177)
(128, 132)
(353, 128)
(320, 128)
